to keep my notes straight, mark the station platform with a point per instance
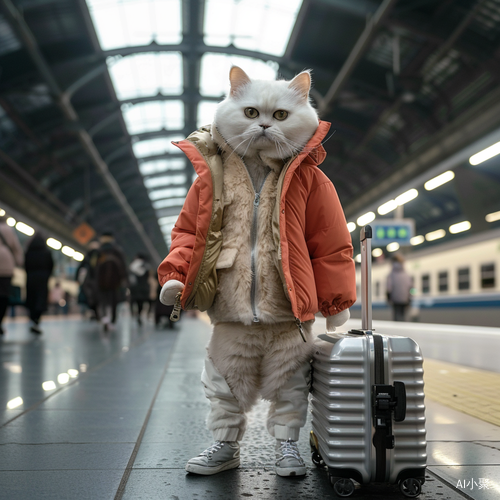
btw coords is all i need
(117, 415)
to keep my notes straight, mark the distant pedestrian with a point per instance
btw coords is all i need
(111, 275)
(86, 275)
(11, 255)
(57, 298)
(39, 264)
(139, 284)
(399, 285)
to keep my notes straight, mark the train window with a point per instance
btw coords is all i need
(443, 281)
(377, 288)
(464, 278)
(426, 283)
(488, 276)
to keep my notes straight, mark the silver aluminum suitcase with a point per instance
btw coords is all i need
(367, 403)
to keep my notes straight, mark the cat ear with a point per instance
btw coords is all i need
(238, 79)
(301, 83)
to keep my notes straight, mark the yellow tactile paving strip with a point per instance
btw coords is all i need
(469, 390)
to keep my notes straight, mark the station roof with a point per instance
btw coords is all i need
(93, 92)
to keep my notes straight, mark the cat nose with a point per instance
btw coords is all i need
(264, 126)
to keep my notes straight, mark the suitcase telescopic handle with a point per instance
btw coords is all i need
(366, 278)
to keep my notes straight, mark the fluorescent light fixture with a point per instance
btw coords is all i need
(406, 197)
(417, 240)
(11, 221)
(63, 378)
(2, 212)
(53, 243)
(73, 373)
(392, 247)
(358, 258)
(83, 367)
(460, 227)
(78, 256)
(365, 219)
(351, 226)
(377, 252)
(25, 229)
(485, 154)
(435, 235)
(439, 180)
(387, 207)
(50, 385)
(493, 217)
(14, 403)
(68, 251)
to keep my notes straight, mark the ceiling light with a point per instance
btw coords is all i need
(351, 226)
(63, 378)
(11, 221)
(392, 247)
(25, 229)
(387, 207)
(493, 217)
(73, 373)
(485, 154)
(68, 251)
(365, 219)
(435, 235)
(49, 385)
(417, 240)
(406, 197)
(460, 227)
(2, 212)
(377, 252)
(439, 180)
(14, 403)
(78, 256)
(358, 258)
(53, 243)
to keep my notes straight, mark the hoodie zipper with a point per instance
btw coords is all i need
(253, 251)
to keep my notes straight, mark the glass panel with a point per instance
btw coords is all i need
(141, 75)
(168, 202)
(443, 281)
(206, 111)
(124, 23)
(167, 193)
(155, 147)
(149, 116)
(215, 72)
(488, 276)
(261, 25)
(426, 283)
(463, 279)
(164, 180)
(157, 166)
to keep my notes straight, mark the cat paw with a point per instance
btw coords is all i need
(332, 322)
(169, 291)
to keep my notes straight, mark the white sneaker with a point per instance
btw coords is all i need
(288, 459)
(222, 455)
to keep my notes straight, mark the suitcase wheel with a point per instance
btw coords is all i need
(317, 460)
(410, 487)
(342, 487)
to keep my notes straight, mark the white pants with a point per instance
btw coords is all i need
(245, 362)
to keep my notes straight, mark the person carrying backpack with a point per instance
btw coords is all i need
(111, 275)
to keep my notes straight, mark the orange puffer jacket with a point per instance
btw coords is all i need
(314, 249)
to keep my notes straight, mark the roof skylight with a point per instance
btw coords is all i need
(261, 25)
(154, 147)
(168, 202)
(154, 115)
(157, 166)
(148, 74)
(164, 180)
(160, 194)
(120, 23)
(206, 111)
(215, 68)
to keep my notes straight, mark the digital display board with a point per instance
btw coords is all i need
(388, 231)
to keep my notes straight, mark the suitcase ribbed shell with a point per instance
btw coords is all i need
(343, 373)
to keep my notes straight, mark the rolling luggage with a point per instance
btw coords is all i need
(367, 403)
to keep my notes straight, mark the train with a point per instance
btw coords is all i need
(457, 282)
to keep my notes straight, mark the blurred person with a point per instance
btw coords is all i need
(399, 285)
(139, 284)
(39, 264)
(11, 255)
(111, 273)
(86, 276)
(56, 298)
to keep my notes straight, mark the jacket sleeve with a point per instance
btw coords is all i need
(330, 250)
(176, 264)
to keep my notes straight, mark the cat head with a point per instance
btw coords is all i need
(266, 118)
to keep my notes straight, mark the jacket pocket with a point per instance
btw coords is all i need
(226, 258)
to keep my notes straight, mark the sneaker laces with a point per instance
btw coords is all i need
(289, 450)
(212, 449)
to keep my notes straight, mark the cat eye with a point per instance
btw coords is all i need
(251, 112)
(280, 114)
